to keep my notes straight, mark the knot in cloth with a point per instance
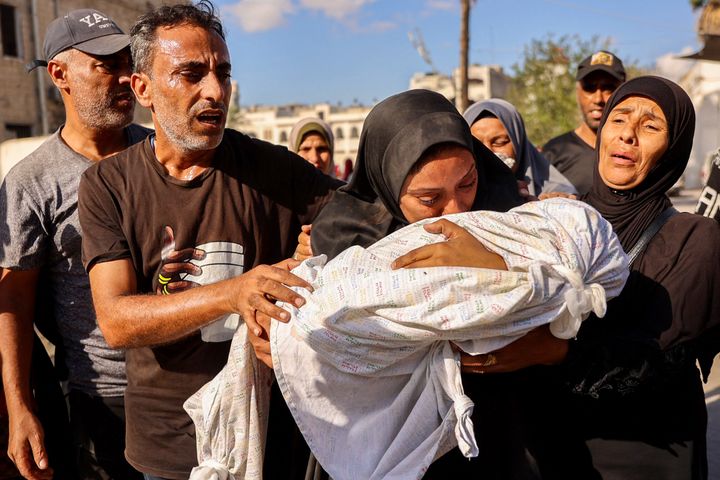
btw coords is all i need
(462, 404)
(580, 299)
(211, 470)
(464, 429)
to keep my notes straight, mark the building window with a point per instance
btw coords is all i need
(18, 131)
(354, 132)
(9, 31)
(267, 134)
(283, 137)
(339, 133)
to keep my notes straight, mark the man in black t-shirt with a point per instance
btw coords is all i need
(709, 201)
(180, 231)
(573, 153)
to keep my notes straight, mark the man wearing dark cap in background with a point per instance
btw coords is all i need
(88, 59)
(573, 153)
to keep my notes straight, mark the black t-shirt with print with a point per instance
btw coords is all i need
(246, 210)
(573, 158)
(709, 201)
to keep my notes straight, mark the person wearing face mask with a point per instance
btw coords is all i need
(499, 126)
(313, 140)
(573, 153)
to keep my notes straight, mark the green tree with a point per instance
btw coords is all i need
(543, 84)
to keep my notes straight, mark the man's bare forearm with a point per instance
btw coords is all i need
(132, 320)
(17, 305)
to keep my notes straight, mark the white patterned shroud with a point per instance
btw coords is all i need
(366, 366)
(230, 416)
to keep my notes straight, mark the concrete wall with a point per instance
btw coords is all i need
(19, 97)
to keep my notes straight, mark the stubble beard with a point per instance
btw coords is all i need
(102, 113)
(179, 132)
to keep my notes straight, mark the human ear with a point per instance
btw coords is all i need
(142, 87)
(58, 74)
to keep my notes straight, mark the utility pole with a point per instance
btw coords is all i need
(462, 101)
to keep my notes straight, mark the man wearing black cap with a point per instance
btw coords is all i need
(88, 59)
(573, 153)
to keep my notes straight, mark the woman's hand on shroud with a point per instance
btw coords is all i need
(461, 249)
(304, 249)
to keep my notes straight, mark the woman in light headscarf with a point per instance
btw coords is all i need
(499, 126)
(313, 140)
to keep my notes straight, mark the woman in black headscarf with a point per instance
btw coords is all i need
(628, 402)
(643, 407)
(395, 136)
(401, 136)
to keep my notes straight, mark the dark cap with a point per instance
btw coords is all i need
(87, 30)
(603, 61)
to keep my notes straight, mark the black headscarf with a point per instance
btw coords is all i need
(395, 135)
(673, 293)
(631, 211)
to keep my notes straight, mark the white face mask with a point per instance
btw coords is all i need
(509, 161)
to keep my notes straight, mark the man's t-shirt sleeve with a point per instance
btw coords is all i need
(100, 220)
(23, 236)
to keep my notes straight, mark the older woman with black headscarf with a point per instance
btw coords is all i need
(635, 406)
(639, 390)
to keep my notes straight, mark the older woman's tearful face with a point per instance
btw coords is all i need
(632, 140)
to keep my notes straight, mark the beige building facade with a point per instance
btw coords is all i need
(273, 123)
(29, 103)
(484, 82)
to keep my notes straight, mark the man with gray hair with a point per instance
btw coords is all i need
(88, 59)
(185, 233)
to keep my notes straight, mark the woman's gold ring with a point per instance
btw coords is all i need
(490, 360)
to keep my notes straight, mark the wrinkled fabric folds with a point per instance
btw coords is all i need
(367, 363)
(230, 415)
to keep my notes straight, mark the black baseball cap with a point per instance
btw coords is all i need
(87, 30)
(603, 61)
